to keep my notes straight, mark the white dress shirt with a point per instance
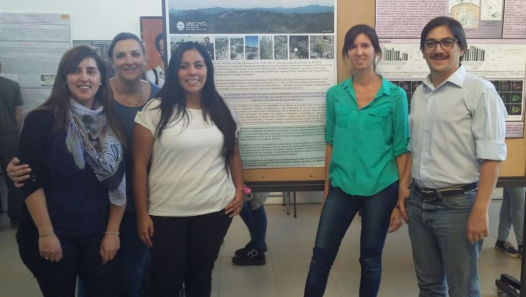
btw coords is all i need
(453, 128)
(150, 76)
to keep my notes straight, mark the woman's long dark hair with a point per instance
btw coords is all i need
(173, 101)
(60, 94)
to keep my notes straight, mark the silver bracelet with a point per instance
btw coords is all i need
(46, 234)
(112, 232)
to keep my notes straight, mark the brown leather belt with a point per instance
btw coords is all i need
(445, 192)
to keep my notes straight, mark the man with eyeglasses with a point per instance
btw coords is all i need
(457, 126)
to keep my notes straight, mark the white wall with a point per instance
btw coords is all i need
(92, 19)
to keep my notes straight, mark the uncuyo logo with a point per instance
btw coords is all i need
(180, 26)
(194, 26)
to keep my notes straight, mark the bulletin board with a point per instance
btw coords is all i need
(350, 13)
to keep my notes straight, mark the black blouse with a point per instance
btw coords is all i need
(77, 202)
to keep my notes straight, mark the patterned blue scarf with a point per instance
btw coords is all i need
(91, 141)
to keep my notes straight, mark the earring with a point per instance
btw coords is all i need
(100, 84)
(66, 82)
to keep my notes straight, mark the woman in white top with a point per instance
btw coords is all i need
(194, 186)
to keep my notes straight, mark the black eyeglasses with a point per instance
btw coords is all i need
(446, 43)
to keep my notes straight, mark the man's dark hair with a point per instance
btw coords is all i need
(454, 26)
(158, 39)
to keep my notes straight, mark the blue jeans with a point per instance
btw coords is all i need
(256, 221)
(512, 213)
(338, 213)
(131, 261)
(441, 250)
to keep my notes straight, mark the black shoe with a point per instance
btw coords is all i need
(252, 257)
(506, 248)
(247, 249)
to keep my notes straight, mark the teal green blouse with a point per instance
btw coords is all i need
(365, 141)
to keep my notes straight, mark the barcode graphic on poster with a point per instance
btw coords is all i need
(394, 55)
(475, 54)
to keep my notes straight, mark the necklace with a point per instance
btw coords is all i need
(124, 98)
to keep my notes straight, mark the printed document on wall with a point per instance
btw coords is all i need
(31, 45)
(479, 18)
(502, 64)
(274, 61)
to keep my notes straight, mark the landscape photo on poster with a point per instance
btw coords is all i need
(300, 16)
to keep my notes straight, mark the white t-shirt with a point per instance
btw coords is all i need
(187, 175)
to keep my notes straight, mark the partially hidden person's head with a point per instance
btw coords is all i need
(207, 40)
(127, 56)
(362, 48)
(159, 44)
(443, 43)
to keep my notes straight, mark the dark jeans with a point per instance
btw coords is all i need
(15, 197)
(131, 261)
(338, 213)
(441, 250)
(184, 250)
(81, 257)
(256, 221)
(132, 257)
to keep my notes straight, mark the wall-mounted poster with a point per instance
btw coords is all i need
(101, 46)
(496, 32)
(502, 64)
(274, 61)
(31, 45)
(480, 18)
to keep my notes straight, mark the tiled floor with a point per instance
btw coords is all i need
(290, 243)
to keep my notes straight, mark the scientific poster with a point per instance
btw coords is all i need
(502, 64)
(274, 61)
(31, 46)
(492, 19)
(496, 32)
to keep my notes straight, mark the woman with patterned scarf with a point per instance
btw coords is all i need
(76, 196)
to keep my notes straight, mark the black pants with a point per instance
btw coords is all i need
(184, 250)
(15, 197)
(81, 257)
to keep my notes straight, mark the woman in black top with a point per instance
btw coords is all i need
(76, 195)
(130, 94)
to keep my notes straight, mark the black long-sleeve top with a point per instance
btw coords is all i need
(77, 202)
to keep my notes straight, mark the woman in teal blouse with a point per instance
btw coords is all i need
(367, 136)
